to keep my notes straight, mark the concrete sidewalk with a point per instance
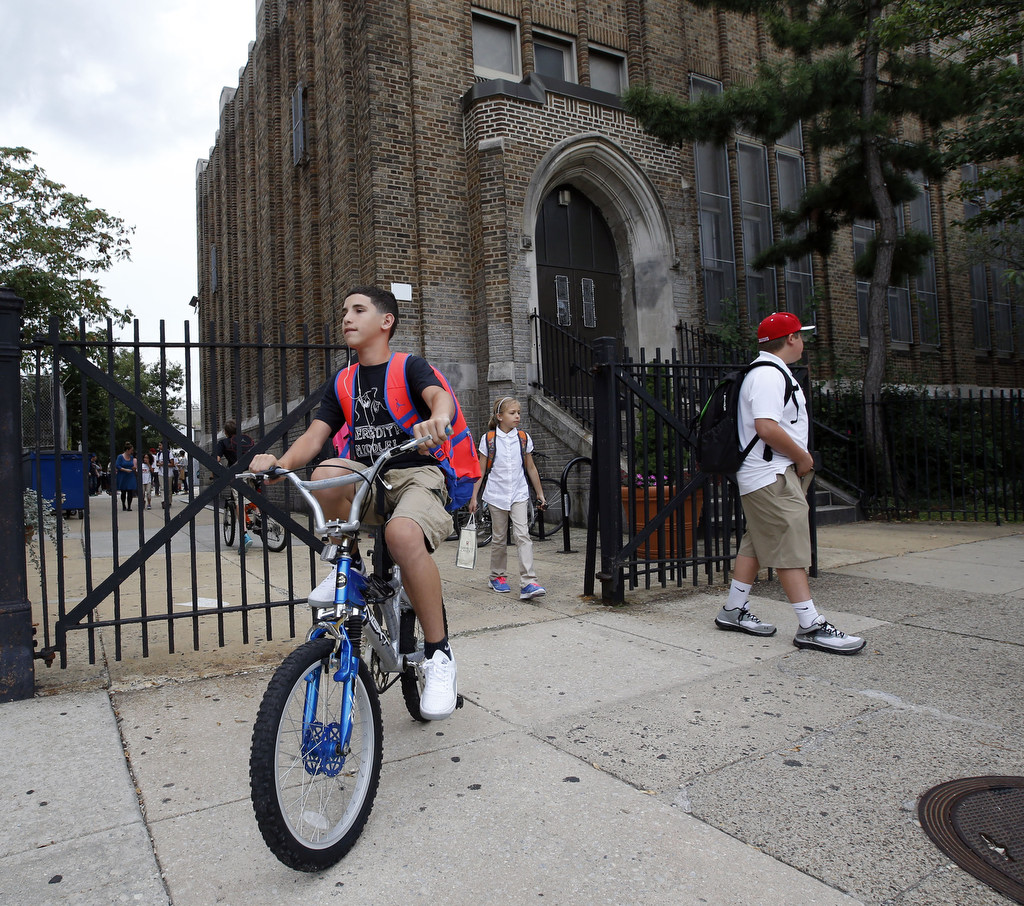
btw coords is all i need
(605, 755)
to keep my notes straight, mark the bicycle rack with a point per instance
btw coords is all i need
(564, 488)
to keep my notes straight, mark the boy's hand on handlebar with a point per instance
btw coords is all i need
(264, 462)
(436, 428)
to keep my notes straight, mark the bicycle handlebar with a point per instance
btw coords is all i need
(364, 478)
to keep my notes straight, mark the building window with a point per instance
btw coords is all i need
(554, 57)
(924, 284)
(607, 71)
(756, 218)
(714, 212)
(901, 322)
(863, 233)
(798, 276)
(1003, 329)
(495, 47)
(901, 327)
(299, 124)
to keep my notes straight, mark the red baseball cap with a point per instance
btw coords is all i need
(779, 324)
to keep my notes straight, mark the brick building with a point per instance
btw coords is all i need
(478, 155)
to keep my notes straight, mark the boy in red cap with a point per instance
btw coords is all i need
(773, 483)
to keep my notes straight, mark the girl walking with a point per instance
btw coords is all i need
(126, 480)
(147, 480)
(506, 461)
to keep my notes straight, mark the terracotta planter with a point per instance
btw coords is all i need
(664, 543)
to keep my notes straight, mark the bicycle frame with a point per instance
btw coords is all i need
(351, 613)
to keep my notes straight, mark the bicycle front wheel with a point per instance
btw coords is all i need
(313, 781)
(228, 522)
(273, 533)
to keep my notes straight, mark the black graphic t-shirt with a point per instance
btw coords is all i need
(374, 429)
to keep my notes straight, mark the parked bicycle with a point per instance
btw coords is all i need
(546, 521)
(256, 522)
(315, 762)
(483, 523)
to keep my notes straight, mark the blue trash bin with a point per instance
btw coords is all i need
(41, 475)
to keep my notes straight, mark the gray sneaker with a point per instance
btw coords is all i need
(742, 620)
(825, 637)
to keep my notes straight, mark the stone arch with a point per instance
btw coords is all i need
(614, 182)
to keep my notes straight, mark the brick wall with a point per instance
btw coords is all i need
(402, 183)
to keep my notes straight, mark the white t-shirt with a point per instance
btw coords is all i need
(761, 396)
(506, 483)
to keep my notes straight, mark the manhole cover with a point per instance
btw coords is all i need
(979, 823)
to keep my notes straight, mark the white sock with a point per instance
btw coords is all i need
(739, 594)
(806, 613)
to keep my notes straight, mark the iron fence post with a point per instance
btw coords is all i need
(606, 467)
(17, 679)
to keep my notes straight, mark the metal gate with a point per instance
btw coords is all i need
(165, 575)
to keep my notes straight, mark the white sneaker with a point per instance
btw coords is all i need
(323, 594)
(440, 687)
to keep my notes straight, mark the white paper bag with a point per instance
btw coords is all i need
(466, 557)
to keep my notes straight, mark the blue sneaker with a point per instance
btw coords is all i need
(533, 590)
(246, 541)
(500, 584)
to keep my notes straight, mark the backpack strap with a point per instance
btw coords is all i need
(788, 394)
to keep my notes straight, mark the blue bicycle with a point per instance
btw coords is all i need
(317, 743)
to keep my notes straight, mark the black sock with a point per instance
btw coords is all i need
(430, 647)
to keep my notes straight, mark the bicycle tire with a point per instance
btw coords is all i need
(484, 533)
(554, 514)
(410, 639)
(311, 804)
(228, 523)
(274, 535)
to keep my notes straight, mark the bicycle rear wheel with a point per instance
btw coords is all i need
(410, 639)
(312, 790)
(228, 522)
(274, 535)
(554, 515)
(483, 525)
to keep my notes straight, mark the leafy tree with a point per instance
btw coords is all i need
(852, 81)
(157, 389)
(51, 242)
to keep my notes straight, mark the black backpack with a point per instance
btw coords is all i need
(240, 445)
(717, 425)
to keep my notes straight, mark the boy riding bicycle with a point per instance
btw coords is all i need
(413, 490)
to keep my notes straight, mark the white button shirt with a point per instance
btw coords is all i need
(506, 483)
(761, 396)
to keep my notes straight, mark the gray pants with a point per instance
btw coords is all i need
(521, 537)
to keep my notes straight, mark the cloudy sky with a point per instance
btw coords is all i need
(119, 99)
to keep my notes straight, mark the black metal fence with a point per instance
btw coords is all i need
(948, 455)
(169, 573)
(955, 456)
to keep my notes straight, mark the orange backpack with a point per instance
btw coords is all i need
(457, 456)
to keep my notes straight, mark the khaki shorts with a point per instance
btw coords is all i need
(418, 493)
(778, 532)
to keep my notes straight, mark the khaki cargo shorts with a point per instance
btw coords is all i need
(778, 532)
(417, 493)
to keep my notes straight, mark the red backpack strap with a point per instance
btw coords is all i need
(491, 449)
(344, 389)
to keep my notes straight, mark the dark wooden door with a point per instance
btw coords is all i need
(578, 284)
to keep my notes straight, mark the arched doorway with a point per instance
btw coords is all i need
(578, 282)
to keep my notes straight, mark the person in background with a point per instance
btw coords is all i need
(506, 462)
(773, 483)
(126, 467)
(147, 480)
